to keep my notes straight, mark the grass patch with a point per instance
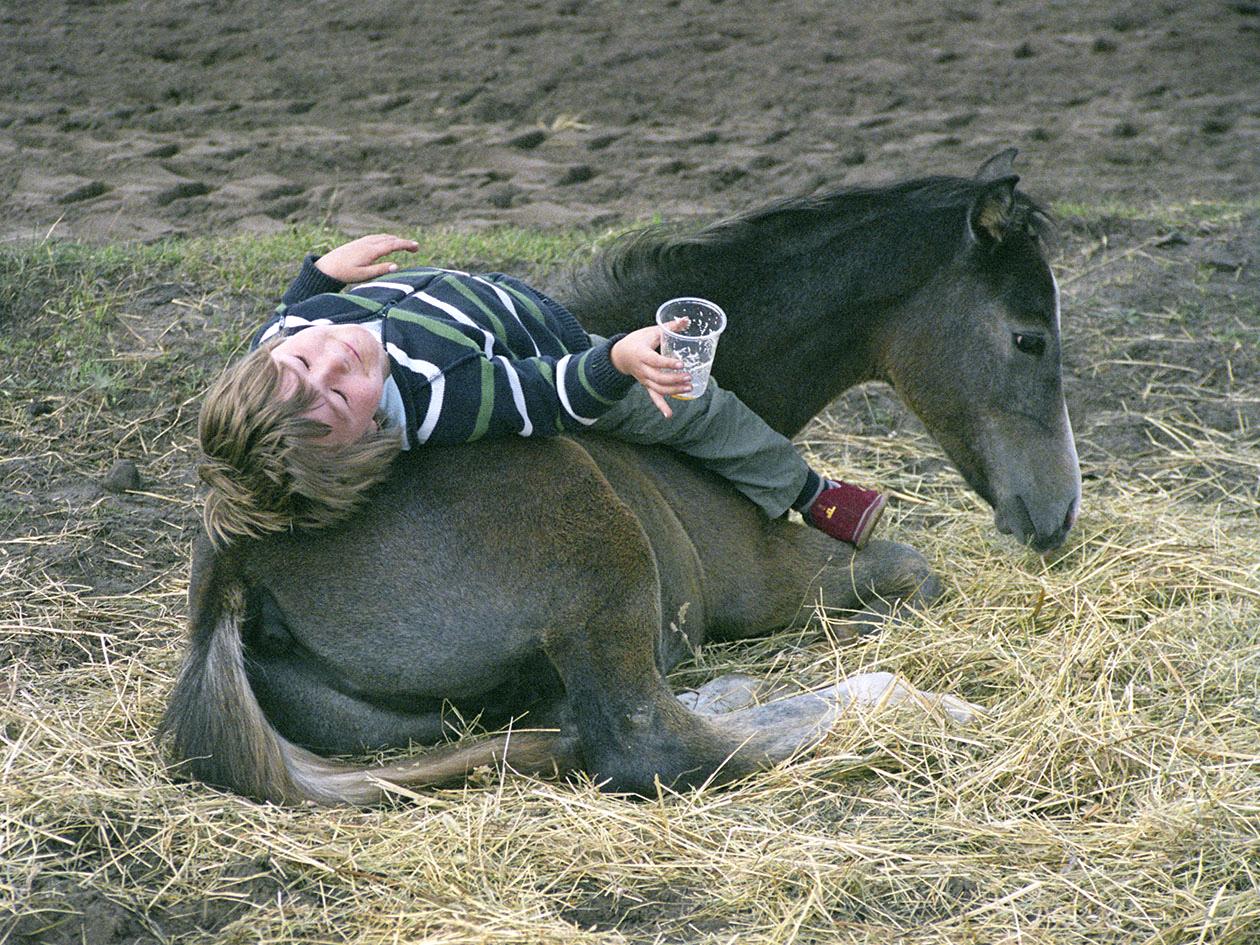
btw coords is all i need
(1111, 795)
(1176, 215)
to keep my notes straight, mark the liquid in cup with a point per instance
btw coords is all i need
(696, 344)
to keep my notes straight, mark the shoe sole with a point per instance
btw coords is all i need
(866, 525)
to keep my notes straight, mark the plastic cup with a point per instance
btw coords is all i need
(694, 345)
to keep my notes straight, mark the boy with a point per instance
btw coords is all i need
(339, 382)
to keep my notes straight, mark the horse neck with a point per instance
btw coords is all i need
(806, 313)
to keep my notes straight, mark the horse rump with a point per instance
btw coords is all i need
(219, 734)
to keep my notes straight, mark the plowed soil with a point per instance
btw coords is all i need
(134, 119)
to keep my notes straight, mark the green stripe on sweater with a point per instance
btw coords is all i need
(487, 401)
(460, 286)
(530, 306)
(586, 384)
(431, 324)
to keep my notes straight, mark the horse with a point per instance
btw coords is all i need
(555, 581)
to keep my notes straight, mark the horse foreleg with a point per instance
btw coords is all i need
(633, 734)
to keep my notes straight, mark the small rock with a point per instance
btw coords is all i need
(123, 476)
(529, 140)
(577, 174)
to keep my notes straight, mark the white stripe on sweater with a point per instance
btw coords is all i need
(562, 367)
(511, 307)
(400, 286)
(518, 396)
(460, 317)
(297, 321)
(437, 388)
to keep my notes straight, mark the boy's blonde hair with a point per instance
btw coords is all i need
(263, 468)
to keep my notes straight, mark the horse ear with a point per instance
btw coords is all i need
(990, 215)
(1000, 166)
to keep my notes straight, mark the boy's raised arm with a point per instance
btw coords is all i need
(356, 261)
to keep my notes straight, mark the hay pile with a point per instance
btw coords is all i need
(1111, 795)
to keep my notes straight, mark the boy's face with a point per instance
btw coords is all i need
(346, 367)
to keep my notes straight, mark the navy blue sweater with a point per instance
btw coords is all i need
(470, 355)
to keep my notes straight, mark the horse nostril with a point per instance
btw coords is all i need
(1027, 527)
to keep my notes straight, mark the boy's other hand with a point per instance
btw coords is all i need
(638, 355)
(356, 261)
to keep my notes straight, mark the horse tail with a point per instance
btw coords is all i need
(220, 735)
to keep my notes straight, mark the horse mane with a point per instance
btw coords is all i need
(857, 217)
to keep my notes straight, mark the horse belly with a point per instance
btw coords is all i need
(428, 645)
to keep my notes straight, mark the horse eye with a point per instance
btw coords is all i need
(1030, 344)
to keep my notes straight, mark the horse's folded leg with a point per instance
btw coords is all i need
(876, 616)
(883, 583)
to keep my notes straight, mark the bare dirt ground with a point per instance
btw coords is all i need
(139, 120)
(142, 119)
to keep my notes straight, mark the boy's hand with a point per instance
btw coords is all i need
(356, 261)
(638, 354)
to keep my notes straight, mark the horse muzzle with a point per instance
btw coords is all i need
(1043, 526)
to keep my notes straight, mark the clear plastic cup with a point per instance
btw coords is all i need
(694, 345)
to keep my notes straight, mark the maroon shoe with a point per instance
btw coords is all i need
(847, 512)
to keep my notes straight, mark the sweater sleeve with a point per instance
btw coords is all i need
(540, 396)
(309, 281)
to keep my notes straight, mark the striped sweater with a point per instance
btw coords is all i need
(470, 355)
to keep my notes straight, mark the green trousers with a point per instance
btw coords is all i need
(723, 434)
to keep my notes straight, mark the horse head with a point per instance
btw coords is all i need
(976, 355)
